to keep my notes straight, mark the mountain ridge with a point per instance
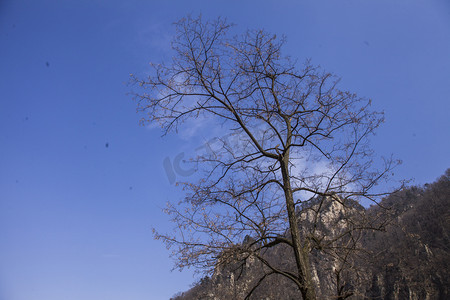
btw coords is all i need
(410, 260)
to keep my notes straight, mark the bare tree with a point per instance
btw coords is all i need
(296, 138)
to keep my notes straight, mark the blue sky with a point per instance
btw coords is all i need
(82, 184)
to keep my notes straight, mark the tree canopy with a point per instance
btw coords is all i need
(298, 140)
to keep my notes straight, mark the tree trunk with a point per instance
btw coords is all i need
(300, 250)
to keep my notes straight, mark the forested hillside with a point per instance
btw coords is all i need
(410, 259)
